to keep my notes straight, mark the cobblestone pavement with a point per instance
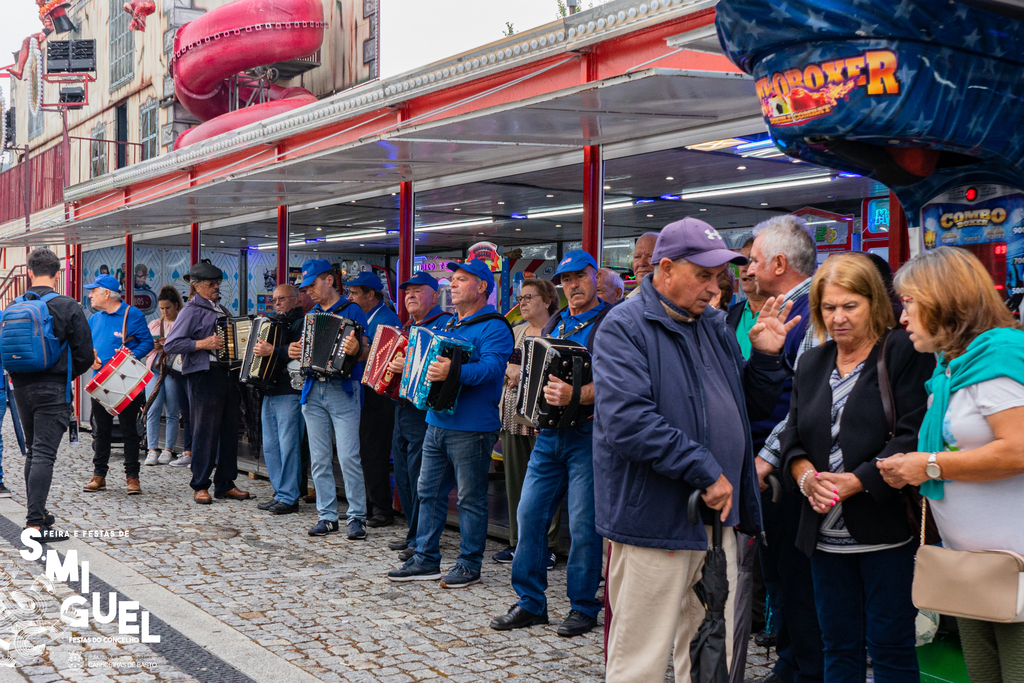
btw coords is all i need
(321, 604)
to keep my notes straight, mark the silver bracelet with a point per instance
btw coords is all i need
(802, 480)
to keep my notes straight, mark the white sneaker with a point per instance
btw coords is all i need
(166, 457)
(183, 461)
(151, 458)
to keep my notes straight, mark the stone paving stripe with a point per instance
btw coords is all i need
(228, 657)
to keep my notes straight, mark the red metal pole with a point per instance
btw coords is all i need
(406, 241)
(899, 238)
(194, 244)
(283, 230)
(593, 201)
(129, 269)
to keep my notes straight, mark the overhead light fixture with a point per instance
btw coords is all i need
(461, 224)
(456, 209)
(650, 215)
(767, 142)
(549, 196)
(501, 203)
(755, 187)
(569, 211)
(764, 203)
(741, 168)
(519, 229)
(607, 187)
(669, 178)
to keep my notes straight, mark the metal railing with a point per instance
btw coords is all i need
(13, 285)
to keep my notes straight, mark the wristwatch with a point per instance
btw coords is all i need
(932, 469)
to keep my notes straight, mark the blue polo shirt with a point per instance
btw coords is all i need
(577, 327)
(345, 309)
(482, 377)
(106, 332)
(380, 315)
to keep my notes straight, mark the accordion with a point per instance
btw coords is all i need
(323, 336)
(235, 334)
(259, 371)
(387, 343)
(426, 346)
(566, 360)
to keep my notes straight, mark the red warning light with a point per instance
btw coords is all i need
(1000, 250)
(971, 194)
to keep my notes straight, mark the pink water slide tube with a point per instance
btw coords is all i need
(233, 38)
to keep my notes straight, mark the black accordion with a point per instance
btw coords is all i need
(566, 360)
(259, 371)
(323, 336)
(234, 332)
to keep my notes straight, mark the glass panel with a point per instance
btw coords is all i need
(122, 46)
(542, 252)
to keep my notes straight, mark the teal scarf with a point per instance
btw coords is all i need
(993, 354)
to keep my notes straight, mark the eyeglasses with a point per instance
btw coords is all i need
(281, 299)
(525, 298)
(906, 300)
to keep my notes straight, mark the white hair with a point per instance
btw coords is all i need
(113, 295)
(615, 279)
(790, 236)
(679, 262)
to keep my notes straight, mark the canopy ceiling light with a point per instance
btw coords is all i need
(570, 210)
(755, 187)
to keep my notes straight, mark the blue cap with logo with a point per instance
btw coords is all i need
(421, 278)
(572, 262)
(107, 282)
(475, 266)
(312, 268)
(366, 279)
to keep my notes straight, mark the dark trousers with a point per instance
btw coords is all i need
(45, 414)
(215, 404)
(407, 451)
(787, 574)
(128, 420)
(865, 609)
(376, 423)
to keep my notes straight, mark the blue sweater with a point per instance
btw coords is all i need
(106, 332)
(380, 315)
(482, 377)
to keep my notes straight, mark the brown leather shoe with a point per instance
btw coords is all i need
(202, 497)
(134, 487)
(96, 484)
(235, 494)
(310, 497)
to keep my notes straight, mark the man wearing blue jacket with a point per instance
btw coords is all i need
(561, 461)
(115, 324)
(673, 401)
(457, 448)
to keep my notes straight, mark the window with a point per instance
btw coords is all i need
(149, 115)
(35, 123)
(122, 46)
(98, 151)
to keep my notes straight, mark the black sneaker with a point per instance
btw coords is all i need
(460, 576)
(552, 560)
(47, 534)
(267, 504)
(414, 571)
(378, 521)
(407, 554)
(505, 556)
(356, 530)
(48, 519)
(4, 491)
(279, 508)
(324, 527)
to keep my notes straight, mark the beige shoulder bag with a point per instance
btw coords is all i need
(977, 584)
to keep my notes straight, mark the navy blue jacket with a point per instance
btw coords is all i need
(650, 422)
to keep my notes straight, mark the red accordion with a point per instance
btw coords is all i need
(388, 342)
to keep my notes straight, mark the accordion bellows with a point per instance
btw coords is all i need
(322, 352)
(258, 371)
(426, 346)
(235, 333)
(566, 360)
(388, 342)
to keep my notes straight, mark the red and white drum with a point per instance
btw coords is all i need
(119, 381)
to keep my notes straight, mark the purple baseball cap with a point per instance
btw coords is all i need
(695, 241)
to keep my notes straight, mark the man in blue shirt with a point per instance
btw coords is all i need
(115, 324)
(377, 421)
(410, 422)
(457, 447)
(330, 406)
(562, 460)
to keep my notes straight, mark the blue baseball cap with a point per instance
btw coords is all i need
(475, 266)
(312, 268)
(572, 262)
(366, 279)
(421, 278)
(107, 282)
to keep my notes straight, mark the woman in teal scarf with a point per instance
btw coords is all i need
(970, 464)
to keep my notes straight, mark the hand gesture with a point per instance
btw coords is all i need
(768, 335)
(295, 350)
(211, 343)
(718, 496)
(262, 349)
(557, 392)
(904, 468)
(158, 345)
(438, 370)
(351, 345)
(96, 364)
(764, 468)
(397, 364)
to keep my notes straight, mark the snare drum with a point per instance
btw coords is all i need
(119, 381)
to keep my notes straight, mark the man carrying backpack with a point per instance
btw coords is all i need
(115, 324)
(45, 342)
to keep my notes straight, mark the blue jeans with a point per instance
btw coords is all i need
(562, 459)
(282, 440)
(172, 399)
(454, 459)
(407, 453)
(331, 411)
(864, 599)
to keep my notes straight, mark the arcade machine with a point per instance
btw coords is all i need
(923, 96)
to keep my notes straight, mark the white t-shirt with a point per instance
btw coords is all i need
(980, 515)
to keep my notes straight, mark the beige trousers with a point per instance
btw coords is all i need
(655, 612)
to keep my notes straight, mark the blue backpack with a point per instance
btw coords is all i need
(27, 341)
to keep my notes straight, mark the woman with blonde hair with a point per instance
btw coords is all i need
(969, 461)
(857, 398)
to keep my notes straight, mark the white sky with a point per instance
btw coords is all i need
(20, 19)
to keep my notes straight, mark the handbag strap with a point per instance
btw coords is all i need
(885, 389)
(924, 518)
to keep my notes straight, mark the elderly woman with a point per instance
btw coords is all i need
(969, 461)
(538, 301)
(857, 398)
